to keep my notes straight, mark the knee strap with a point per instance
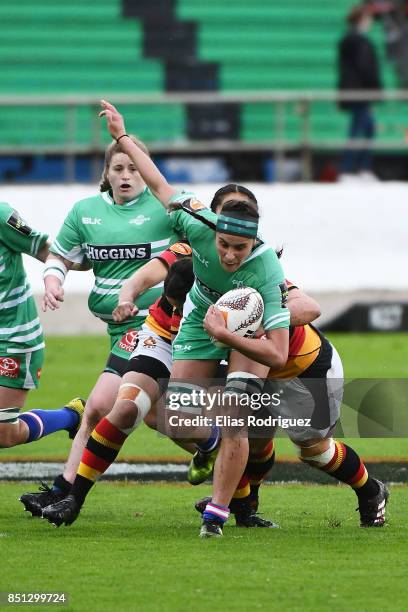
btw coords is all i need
(324, 458)
(135, 394)
(186, 398)
(243, 383)
(9, 416)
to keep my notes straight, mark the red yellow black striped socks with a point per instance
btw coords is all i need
(259, 465)
(343, 463)
(243, 488)
(100, 452)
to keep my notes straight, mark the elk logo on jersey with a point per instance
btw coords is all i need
(201, 259)
(128, 341)
(91, 221)
(9, 367)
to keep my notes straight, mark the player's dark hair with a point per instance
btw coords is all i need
(111, 150)
(241, 207)
(179, 279)
(356, 14)
(231, 188)
(246, 208)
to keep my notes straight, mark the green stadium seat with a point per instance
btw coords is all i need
(76, 47)
(282, 45)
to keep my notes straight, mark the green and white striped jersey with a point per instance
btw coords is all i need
(20, 328)
(261, 270)
(117, 240)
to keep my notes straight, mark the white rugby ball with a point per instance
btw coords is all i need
(243, 311)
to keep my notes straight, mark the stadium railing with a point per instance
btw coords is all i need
(305, 143)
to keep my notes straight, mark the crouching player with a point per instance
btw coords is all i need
(141, 386)
(21, 339)
(312, 384)
(313, 391)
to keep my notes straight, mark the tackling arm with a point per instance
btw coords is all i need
(148, 276)
(272, 352)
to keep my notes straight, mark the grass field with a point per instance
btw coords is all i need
(135, 547)
(73, 364)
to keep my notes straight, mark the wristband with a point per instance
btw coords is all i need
(55, 267)
(123, 135)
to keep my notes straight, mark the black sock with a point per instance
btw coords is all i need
(61, 485)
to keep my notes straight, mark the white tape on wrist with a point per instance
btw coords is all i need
(55, 267)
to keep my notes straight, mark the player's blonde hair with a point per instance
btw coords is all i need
(111, 150)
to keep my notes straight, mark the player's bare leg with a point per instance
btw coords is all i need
(230, 463)
(13, 431)
(153, 422)
(98, 405)
(245, 500)
(135, 396)
(244, 378)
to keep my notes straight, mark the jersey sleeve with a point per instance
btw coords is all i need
(17, 234)
(276, 312)
(174, 252)
(290, 285)
(274, 292)
(68, 242)
(190, 215)
(182, 196)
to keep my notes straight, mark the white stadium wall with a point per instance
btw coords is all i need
(336, 238)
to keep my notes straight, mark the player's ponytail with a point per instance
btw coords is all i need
(179, 280)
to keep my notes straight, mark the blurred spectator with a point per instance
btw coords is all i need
(358, 70)
(394, 15)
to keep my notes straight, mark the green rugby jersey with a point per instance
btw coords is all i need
(20, 328)
(261, 270)
(117, 240)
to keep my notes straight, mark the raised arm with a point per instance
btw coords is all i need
(146, 167)
(148, 276)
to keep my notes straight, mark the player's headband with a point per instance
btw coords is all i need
(237, 225)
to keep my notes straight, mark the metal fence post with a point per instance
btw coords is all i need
(279, 156)
(97, 144)
(70, 128)
(306, 153)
